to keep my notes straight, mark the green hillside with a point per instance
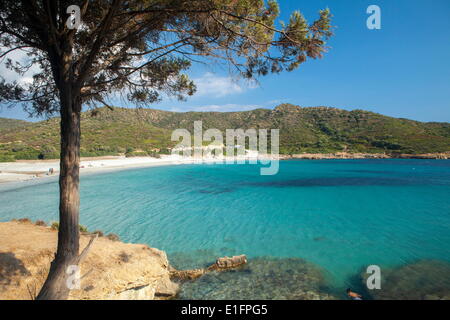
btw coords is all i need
(6, 123)
(148, 131)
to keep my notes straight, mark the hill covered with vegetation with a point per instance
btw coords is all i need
(6, 123)
(302, 129)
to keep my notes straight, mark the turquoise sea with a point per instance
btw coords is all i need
(313, 227)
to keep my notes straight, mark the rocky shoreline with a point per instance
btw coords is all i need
(112, 270)
(348, 155)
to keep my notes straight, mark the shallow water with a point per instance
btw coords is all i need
(340, 215)
(261, 278)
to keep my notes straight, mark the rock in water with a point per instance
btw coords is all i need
(261, 278)
(221, 264)
(227, 262)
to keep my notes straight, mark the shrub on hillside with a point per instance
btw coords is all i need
(55, 226)
(113, 237)
(136, 154)
(124, 257)
(98, 232)
(97, 153)
(49, 155)
(121, 150)
(155, 155)
(7, 158)
(40, 223)
(26, 155)
(165, 151)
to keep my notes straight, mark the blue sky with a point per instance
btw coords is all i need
(402, 70)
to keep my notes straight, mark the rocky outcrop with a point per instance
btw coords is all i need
(111, 270)
(228, 263)
(221, 264)
(184, 275)
(347, 155)
(441, 156)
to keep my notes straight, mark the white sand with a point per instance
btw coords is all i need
(23, 170)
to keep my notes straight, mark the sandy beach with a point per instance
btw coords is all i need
(25, 170)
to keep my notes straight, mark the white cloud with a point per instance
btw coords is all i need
(10, 75)
(217, 86)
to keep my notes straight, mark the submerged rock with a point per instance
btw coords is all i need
(261, 278)
(221, 264)
(227, 262)
(422, 280)
(185, 275)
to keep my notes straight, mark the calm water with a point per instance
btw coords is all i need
(320, 222)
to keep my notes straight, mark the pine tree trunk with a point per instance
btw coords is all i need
(56, 286)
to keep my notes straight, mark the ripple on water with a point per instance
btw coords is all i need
(261, 278)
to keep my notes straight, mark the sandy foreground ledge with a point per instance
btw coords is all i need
(117, 270)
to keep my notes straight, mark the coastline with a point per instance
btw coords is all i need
(349, 155)
(26, 170)
(32, 170)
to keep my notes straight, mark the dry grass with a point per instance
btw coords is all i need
(111, 267)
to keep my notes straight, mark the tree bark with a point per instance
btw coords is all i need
(56, 287)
